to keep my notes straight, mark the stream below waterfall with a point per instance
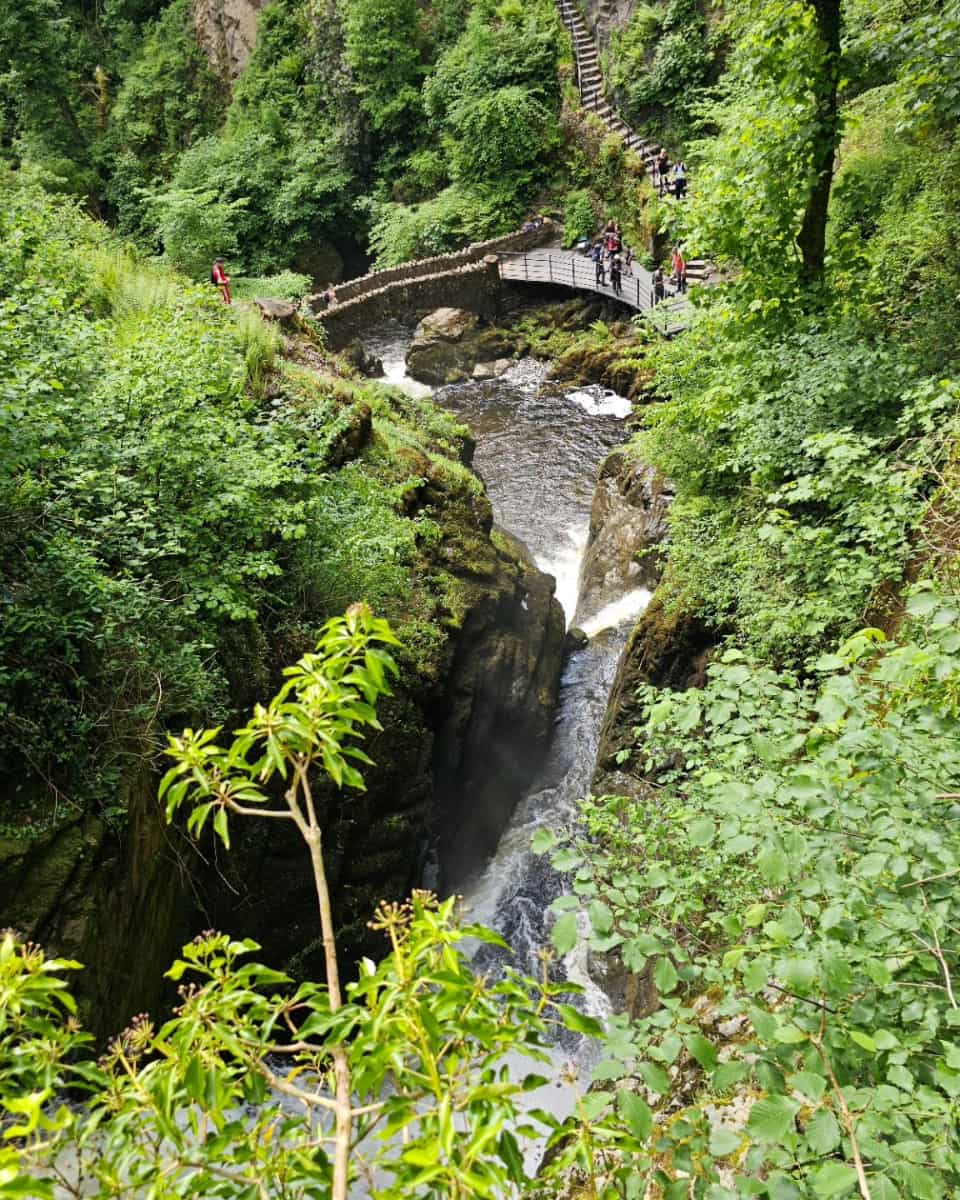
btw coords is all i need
(538, 452)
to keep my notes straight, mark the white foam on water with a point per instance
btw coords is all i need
(627, 608)
(564, 565)
(601, 402)
(395, 373)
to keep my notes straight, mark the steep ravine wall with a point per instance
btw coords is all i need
(227, 31)
(629, 522)
(455, 752)
(119, 903)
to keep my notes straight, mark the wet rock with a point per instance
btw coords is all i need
(356, 356)
(446, 324)
(462, 735)
(668, 648)
(492, 370)
(628, 992)
(576, 640)
(283, 312)
(449, 345)
(628, 520)
(119, 906)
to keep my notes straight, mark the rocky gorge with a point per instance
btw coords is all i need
(465, 734)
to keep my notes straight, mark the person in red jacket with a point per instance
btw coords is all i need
(679, 269)
(219, 278)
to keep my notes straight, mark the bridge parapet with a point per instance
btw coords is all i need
(472, 285)
(375, 281)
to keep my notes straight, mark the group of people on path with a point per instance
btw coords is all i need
(678, 277)
(609, 252)
(669, 177)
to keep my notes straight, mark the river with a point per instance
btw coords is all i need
(538, 452)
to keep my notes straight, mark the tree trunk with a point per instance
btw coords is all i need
(813, 232)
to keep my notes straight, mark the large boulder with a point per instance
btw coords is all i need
(627, 522)
(449, 343)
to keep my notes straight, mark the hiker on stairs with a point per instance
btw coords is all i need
(663, 170)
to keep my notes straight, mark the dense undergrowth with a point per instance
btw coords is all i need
(779, 883)
(779, 880)
(180, 505)
(406, 127)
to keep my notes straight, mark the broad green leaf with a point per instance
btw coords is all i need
(656, 1079)
(771, 1118)
(563, 935)
(601, 917)
(773, 865)
(823, 1132)
(543, 840)
(834, 1179)
(702, 1050)
(636, 1113)
(578, 1022)
(811, 1085)
(724, 1141)
(665, 975)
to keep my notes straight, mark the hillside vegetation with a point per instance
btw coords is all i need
(771, 857)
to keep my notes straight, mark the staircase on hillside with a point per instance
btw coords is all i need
(594, 100)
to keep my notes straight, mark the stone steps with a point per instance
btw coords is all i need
(593, 99)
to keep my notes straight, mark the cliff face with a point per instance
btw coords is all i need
(227, 31)
(116, 902)
(605, 16)
(453, 757)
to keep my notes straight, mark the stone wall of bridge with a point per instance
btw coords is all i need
(474, 286)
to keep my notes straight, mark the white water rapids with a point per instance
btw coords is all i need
(538, 451)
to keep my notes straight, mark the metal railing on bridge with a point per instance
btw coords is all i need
(569, 269)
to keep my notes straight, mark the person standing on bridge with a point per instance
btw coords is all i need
(659, 286)
(615, 274)
(597, 255)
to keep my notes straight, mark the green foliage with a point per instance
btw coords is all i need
(38, 63)
(754, 176)
(287, 285)
(380, 48)
(660, 63)
(895, 203)
(491, 102)
(169, 98)
(579, 216)
(795, 870)
(503, 135)
(802, 461)
(243, 1090)
(195, 227)
(154, 504)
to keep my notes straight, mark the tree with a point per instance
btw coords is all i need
(403, 1072)
(825, 136)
